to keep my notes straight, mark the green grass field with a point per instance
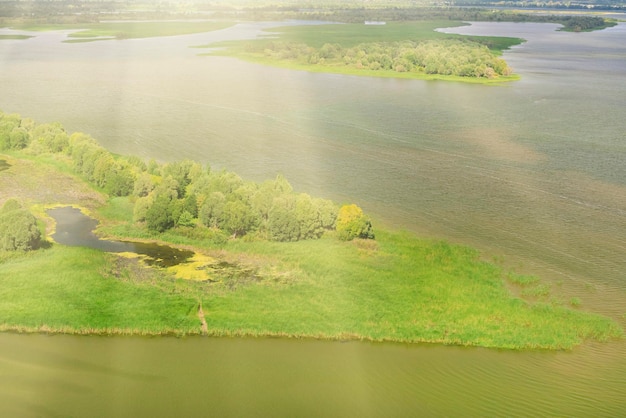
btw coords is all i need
(67, 289)
(402, 289)
(399, 289)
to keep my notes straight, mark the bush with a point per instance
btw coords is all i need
(352, 223)
(18, 228)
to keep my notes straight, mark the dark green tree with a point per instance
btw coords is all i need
(160, 216)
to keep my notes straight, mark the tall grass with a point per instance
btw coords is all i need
(405, 290)
(399, 289)
(67, 288)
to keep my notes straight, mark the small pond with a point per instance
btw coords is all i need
(74, 228)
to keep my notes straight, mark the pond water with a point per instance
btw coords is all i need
(531, 172)
(76, 229)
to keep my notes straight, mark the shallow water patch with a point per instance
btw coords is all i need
(74, 228)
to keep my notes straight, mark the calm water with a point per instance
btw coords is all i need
(76, 229)
(531, 171)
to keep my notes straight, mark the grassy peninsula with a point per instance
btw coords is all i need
(397, 287)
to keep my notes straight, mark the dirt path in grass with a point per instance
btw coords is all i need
(205, 328)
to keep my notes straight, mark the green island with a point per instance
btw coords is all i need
(268, 261)
(396, 49)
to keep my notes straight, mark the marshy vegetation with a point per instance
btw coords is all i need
(395, 288)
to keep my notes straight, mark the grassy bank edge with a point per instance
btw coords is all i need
(67, 330)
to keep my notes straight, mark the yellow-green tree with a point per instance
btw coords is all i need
(353, 223)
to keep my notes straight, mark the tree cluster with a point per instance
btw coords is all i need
(185, 195)
(115, 176)
(463, 58)
(18, 228)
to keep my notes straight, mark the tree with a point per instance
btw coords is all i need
(7, 124)
(80, 146)
(238, 218)
(190, 205)
(185, 219)
(160, 216)
(352, 223)
(19, 138)
(141, 208)
(18, 228)
(225, 182)
(50, 137)
(212, 209)
(308, 217)
(120, 180)
(327, 212)
(282, 223)
(144, 184)
(182, 172)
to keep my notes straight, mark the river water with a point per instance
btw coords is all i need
(531, 172)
